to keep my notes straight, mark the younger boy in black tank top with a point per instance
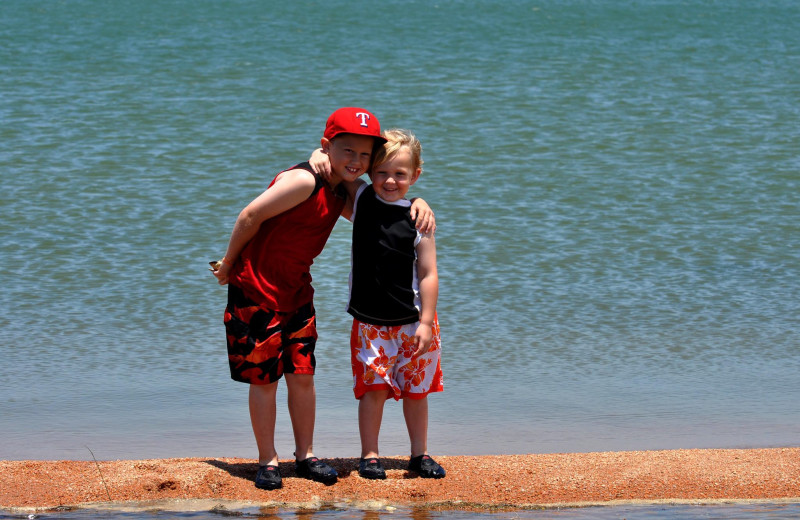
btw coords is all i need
(394, 344)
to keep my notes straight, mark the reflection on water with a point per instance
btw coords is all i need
(744, 511)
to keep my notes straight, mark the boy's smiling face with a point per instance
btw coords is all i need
(349, 154)
(392, 178)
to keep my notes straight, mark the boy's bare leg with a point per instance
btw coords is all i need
(262, 416)
(302, 411)
(415, 412)
(370, 415)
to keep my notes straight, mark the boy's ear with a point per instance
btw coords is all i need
(415, 176)
(326, 144)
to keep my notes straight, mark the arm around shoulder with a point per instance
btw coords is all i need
(423, 216)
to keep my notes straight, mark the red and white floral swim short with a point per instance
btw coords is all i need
(381, 357)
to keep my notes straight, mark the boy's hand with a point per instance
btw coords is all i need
(423, 216)
(321, 164)
(221, 270)
(423, 338)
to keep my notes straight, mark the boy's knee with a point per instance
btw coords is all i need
(376, 395)
(264, 390)
(299, 381)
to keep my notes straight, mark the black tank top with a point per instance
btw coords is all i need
(384, 260)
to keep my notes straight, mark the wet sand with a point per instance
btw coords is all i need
(472, 482)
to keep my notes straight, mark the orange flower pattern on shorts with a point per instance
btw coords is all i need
(382, 358)
(414, 372)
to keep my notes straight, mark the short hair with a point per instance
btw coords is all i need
(397, 138)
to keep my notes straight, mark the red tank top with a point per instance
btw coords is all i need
(274, 268)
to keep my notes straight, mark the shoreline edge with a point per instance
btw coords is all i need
(532, 481)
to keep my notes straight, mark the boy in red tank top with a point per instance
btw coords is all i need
(269, 320)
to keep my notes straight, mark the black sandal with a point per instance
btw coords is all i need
(426, 467)
(371, 468)
(268, 477)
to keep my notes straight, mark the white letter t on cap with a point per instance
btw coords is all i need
(364, 118)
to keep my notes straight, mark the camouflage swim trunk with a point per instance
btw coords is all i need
(264, 344)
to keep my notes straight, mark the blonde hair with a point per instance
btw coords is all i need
(397, 138)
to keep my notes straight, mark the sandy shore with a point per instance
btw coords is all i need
(517, 481)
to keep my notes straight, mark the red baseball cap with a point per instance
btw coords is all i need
(352, 120)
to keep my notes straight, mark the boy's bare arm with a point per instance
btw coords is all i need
(320, 163)
(428, 292)
(290, 189)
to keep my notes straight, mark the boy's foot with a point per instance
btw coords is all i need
(268, 477)
(371, 468)
(426, 467)
(314, 469)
